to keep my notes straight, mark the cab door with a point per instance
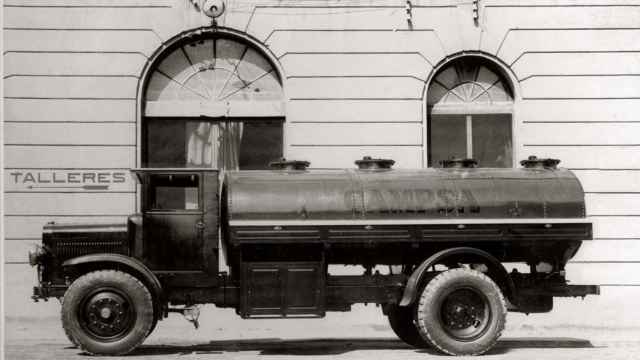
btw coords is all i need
(180, 224)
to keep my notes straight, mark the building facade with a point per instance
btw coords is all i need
(94, 88)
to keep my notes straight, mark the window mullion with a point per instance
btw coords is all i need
(469, 137)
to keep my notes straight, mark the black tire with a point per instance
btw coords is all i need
(153, 325)
(461, 312)
(401, 320)
(73, 341)
(107, 312)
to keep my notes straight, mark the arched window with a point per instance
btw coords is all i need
(212, 102)
(470, 108)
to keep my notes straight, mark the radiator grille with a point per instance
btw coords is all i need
(70, 246)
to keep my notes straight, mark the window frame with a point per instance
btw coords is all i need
(258, 109)
(150, 194)
(470, 108)
(468, 135)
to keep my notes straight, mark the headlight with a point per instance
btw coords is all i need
(36, 255)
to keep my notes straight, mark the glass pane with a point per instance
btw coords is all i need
(214, 80)
(486, 77)
(460, 92)
(156, 86)
(233, 85)
(200, 53)
(448, 138)
(162, 87)
(253, 65)
(476, 92)
(492, 141)
(261, 144)
(448, 77)
(174, 64)
(483, 98)
(174, 192)
(498, 93)
(450, 98)
(467, 70)
(436, 92)
(228, 53)
(212, 144)
(165, 143)
(266, 87)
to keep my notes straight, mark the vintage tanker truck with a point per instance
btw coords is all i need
(446, 252)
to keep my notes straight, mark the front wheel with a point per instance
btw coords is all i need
(73, 341)
(461, 312)
(107, 312)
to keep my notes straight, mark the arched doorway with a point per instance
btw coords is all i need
(469, 107)
(212, 99)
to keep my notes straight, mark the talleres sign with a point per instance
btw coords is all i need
(73, 179)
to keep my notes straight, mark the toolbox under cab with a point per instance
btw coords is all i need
(433, 244)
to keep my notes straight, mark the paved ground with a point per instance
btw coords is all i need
(344, 348)
(361, 334)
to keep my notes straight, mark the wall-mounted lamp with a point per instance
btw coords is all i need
(211, 8)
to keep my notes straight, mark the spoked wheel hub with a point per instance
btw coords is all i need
(465, 314)
(107, 315)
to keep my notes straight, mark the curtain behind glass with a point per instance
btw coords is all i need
(213, 144)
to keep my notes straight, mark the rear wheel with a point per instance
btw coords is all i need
(153, 326)
(107, 312)
(401, 320)
(461, 312)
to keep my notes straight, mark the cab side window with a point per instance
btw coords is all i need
(174, 192)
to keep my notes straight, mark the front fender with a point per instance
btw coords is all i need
(148, 277)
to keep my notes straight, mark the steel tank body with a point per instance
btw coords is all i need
(281, 196)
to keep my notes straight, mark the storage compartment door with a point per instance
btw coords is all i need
(263, 292)
(282, 289)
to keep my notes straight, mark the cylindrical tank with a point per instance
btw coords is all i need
(379, 215)
(370, 194)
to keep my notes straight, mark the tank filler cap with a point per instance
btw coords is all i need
(459, 163)
(534, 163)
(369, 163)
(284, 164)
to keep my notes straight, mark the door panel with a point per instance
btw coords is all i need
(173, 221)
(180, 225)
(174, 241)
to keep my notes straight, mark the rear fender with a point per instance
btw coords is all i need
(413, 284)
